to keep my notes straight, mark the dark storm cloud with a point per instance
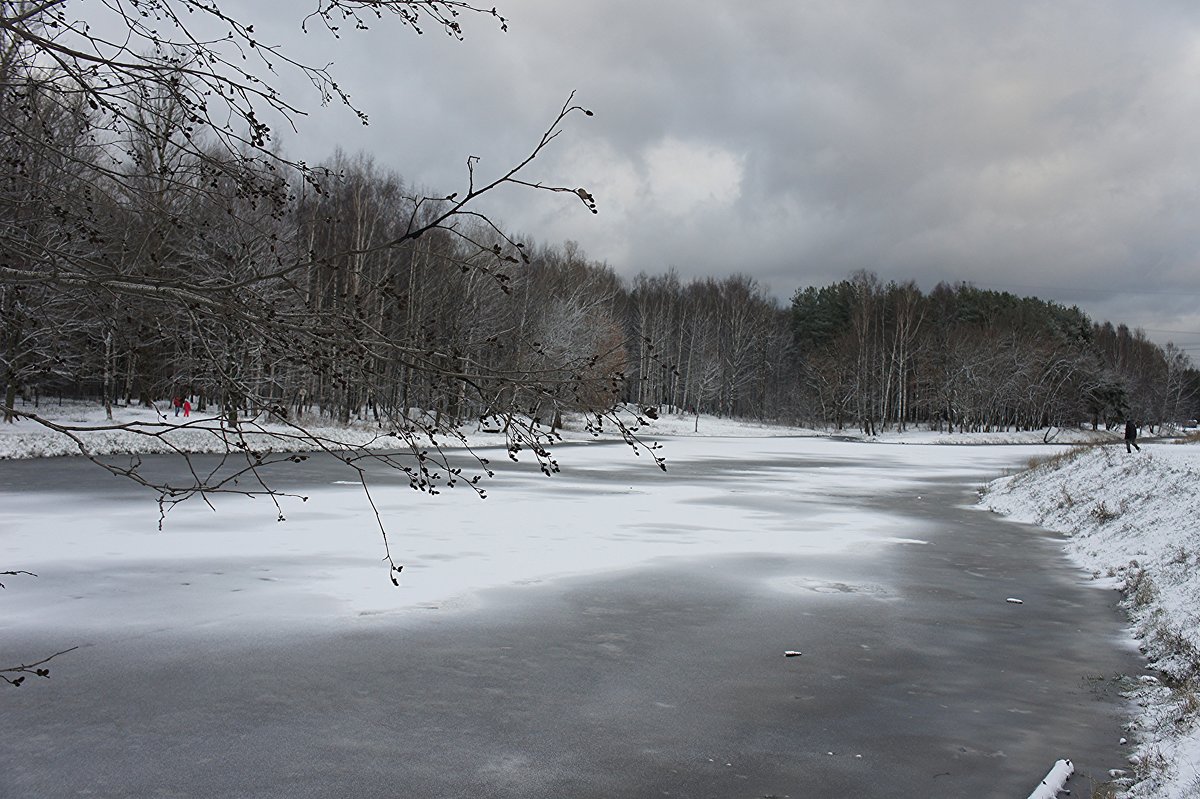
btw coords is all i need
(1045, 147)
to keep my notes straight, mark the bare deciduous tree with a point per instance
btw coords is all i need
(146, 212)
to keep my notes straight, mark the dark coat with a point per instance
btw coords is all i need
(1130, 431)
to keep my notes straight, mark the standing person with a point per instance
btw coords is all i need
(1131, 436)
(187, 408)
(176, 404)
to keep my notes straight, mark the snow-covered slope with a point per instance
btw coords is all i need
(1133, 520)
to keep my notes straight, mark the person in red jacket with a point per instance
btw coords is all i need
(187, 408)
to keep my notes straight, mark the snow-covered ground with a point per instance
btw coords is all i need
(1131, 521)
(158, 430)
(203, 433)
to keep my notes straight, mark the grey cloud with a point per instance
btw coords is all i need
(1030, 144)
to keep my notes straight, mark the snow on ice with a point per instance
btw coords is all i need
(1129, 520)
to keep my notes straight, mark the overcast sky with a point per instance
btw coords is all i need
(1047, 148)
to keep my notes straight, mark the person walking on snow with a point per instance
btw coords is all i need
(1131, 436)
(187, 408)
(176, 404)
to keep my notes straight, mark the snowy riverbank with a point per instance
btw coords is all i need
(156, 430)
(144, 431)
(1130, 520)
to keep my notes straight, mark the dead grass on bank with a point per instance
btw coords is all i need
(1106, 790)
(1059, 459)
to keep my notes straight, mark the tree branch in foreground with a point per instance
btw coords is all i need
(35, 669)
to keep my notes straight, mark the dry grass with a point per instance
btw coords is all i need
(1105, 790)
(1140, 588)
(1190, 438)
(1059, 458)
(1103, 514)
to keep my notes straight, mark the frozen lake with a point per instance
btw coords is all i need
(611, 631)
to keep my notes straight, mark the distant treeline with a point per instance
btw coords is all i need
(972, 359)
(305, 306)
(865, 354)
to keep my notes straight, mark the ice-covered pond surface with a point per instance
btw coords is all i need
(611, 631)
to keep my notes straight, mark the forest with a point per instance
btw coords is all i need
(149, 249)
(362, 329)
(869, 355)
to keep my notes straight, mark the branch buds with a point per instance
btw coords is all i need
(586, 197)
